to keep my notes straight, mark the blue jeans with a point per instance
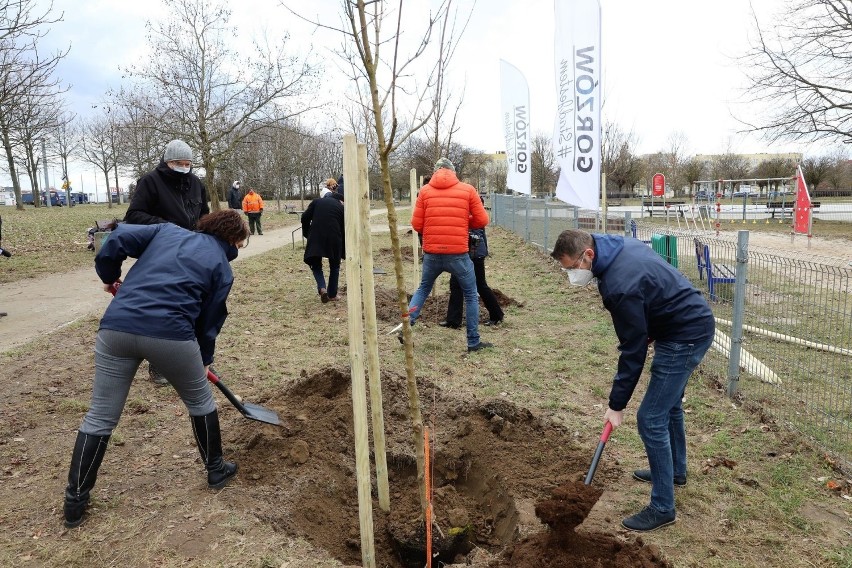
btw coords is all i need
(333, 274)
(660, 416)
(460, 266)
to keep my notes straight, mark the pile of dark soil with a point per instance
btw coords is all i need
(491, 459)
(434, 309)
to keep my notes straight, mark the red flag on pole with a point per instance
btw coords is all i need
(804, 211)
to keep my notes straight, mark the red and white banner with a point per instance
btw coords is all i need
(577, 133)
(516, 126)
(804, 212)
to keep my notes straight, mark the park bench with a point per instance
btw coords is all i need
(664, 207)
(716, 273)
(614, 202)
(785, 208)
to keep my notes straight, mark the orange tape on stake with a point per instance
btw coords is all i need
(428, 490)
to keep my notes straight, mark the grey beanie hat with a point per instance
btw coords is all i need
(177, 150)
(444, 163)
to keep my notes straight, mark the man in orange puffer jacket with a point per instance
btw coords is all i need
(253, 208)
(444, 212)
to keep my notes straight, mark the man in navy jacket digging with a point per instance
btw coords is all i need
(649, 301)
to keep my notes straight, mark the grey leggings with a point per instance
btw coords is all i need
(118, 356)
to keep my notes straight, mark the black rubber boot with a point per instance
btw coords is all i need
(209, 440)
(85, 461)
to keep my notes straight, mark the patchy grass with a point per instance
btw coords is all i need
(52, 240)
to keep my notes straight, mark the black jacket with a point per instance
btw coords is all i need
(235, 198)
(163, 195)
(322, 225)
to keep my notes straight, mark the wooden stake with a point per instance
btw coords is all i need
(356, 348)
(427, 465)
(415, 241)
(373, 369)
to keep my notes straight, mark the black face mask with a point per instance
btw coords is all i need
(232, 253)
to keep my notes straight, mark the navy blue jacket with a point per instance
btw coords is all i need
(481, 250)
(648, 299)
(176, 289)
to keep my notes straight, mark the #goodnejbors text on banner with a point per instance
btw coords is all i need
(577, 134)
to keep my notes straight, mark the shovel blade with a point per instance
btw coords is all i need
(261, 414)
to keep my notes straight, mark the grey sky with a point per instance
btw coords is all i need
(668, 65)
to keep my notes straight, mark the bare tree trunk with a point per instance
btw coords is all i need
(402, 297)
(13, 172)
(108, 192)
(117, 188)
(32, 172)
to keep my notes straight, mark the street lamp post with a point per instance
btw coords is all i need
(46, 181)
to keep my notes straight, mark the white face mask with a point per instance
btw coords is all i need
(579, 276)
(180, 169)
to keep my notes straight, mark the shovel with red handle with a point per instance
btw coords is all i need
(247, 409)
(604, 437)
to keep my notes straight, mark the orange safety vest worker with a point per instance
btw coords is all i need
(252, 202)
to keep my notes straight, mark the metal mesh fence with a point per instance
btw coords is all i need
(785, 318)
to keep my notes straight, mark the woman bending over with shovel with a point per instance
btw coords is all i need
(169, 310)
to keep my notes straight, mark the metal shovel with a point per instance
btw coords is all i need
(249, 410)
(604, 437)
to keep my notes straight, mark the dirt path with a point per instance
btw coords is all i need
(38, 306)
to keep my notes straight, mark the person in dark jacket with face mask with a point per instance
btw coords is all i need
(170, 193)
(235, 196)
(650, 302)
(168, 311)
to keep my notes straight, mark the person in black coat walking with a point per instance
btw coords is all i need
(235, 196)
(455, 307)
(322, 225)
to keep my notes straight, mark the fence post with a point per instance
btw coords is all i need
(576, 218)
(514, 214)
(527, 220)
(546, 228)
(628, 221)
(739, 310)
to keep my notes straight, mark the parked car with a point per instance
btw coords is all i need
(781, 196)
(56, 199)
(742, 194)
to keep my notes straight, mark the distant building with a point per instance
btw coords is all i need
(7, 196)
(486, 172)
